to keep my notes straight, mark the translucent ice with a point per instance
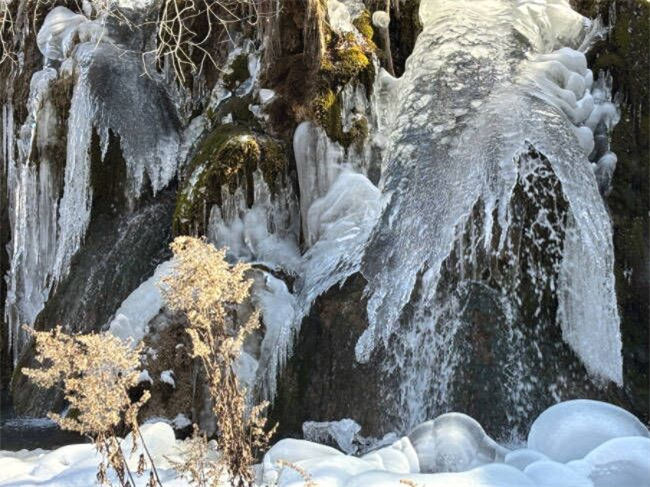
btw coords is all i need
(453, 442)
(343, 432)
(57, 34)
(571, 429)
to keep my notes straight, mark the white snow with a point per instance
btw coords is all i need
(571, 429)
(455, 440)
(145, 377)
(181, 421)
(140, 307)
(266, 95)
(167, 376)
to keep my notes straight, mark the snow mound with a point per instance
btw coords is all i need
(616, 453)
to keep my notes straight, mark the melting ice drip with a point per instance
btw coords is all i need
(482, 87)
(49, 218)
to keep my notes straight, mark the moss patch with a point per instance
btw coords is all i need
(363, 24)
(228, 156)
(345, 60)
(328, 113)
(239, 72)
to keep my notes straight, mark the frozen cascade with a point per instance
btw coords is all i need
(338, 207)
(267, 232)
(471, 113)
(46, 235)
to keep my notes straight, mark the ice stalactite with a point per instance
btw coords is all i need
(105, 101)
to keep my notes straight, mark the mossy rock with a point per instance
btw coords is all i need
(328, 113)
(363, 24)
(228, 156)
(347, 59)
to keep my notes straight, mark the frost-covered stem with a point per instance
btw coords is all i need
(153, 465)
(122, 459)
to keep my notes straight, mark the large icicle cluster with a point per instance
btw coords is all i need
(470, 104)
(111, 97)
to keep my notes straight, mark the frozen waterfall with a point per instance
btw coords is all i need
(50, 200)
(481, 98)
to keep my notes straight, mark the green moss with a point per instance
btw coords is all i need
(206, 177)
(273, 162)
(323, 107)
(359, 131)
(228, 156)
(363, 24)
(352, 60)
(239, 72)
(609, 60)
(328, 113)
(345, 60)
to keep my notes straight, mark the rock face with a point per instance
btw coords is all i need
(322, 381)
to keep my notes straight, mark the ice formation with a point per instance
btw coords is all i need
(618, 459)
(342, 432)
(468, 111)
(266, 233)
(140, 307)
(580, 426)
(453, 442)
(47, 228)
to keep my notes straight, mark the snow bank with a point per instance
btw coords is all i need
(607, 447)
(613, 448)
(140, 307)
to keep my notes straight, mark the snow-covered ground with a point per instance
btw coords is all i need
(578, 443)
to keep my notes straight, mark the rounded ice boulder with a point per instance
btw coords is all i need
(571, 429)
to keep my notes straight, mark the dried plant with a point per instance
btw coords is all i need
(188, 30)
(96, 372)
(197, 466)
(205, 288)
(309, 482)
(7, 33)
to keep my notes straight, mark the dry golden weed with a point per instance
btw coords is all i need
(96, 372)
(309, 482)
(206, 289)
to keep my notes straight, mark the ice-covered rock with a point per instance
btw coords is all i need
(142, 305)
(454, 442)
(571, 429)
(343, 432)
